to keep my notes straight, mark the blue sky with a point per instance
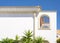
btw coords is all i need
(45, 5)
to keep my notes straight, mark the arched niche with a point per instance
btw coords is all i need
(45, 22)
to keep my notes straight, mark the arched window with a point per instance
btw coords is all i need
(44, 21)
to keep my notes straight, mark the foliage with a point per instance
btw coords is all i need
(45, 41)
(39, 40)
(7, 40)
(27, 38)
(58, 40)
(16, 39)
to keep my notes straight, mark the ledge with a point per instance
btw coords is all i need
(20, 9)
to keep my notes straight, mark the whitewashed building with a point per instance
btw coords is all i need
(16, 20)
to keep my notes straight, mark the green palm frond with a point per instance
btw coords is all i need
(39, 40)
(27, 37)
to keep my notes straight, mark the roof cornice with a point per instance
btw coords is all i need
(19, 9)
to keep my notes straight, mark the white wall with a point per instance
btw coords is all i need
(49, 35)
(12, 26)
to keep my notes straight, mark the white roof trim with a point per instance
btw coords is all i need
(20, 9)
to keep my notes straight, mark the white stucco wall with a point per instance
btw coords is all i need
(12, 26)
(49, 34)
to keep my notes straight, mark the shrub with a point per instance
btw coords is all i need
(58, 40)
(27, 37)
(39, 40)
(7, 40)
(16, 39)
(46, 41)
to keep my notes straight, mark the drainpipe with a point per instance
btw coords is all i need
(34, 27)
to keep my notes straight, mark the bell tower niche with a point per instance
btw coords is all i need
(44, 22)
